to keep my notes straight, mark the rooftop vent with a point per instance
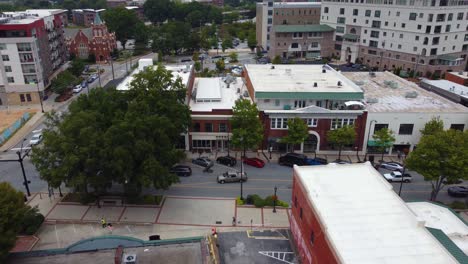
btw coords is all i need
(392, 84)
(272, 67)
(339, 83)
(315, 84)
(460, 72)
(359, 82)
(324, 71)
(372, 100)
(411, 94)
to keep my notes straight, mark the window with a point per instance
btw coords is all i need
(419, 26)
(377, 13)
(294, 45)
(447, 28)
(312, 237)
(270, 12)
(7, 68)
(460, 127)
(222, 127)
(270, 21)
(201, 144)
(430, 18)
(450, 17)
(398, 13)
(208, 127)
(28, 97)
(341, 20)
(406, 129)
(374, 34)
(341, 11)
(460, 16)
(311, 122)
(373, 43)
(337, 123)
(416, 38)
(297, 35)
(325, 10)
(372, 52)
(339, 29)
(415, 48)
(5, 58)
(22, 98)
(378, 127)
(403, 25)
(299, 103)
(24, 46)
(196, 127)
(466, 37)
(300, 213)
(440, 18)
(401, 35)
(376, 24)
(355, 12)
(435, 41)
(434, 51)
(437, 29)
(412, 16)
(2, 46)
(277, 102)
(279, 123)
(11, 79)
(368, 13)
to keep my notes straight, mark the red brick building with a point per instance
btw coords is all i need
(97, 41)
(457, 77)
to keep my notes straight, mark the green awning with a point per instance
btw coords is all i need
(310, 95)
(451, 247)
(350, 36)
(373, 143)
(303, 28)
(447, 57)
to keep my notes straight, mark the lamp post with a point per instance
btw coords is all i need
(357, 153)
(402, 175)
(112, 67)
(274, 201)
(99, 76)
(40, 96)
(20, 160)
(368, 136)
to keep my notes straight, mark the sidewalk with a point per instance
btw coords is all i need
(67, 223)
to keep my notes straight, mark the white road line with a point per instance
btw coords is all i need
(56, 236)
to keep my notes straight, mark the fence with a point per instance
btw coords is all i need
(7, 133)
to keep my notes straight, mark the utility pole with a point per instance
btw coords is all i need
(112, 66)
(99, 76)
(20, 160)
(40, 96)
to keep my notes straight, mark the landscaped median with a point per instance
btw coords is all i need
(92, 199)
(254, 199)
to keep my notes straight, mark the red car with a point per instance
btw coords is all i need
(256, 162)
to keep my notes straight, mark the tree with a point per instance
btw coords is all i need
(63, 82)
(123, 22)
(141, 33)
(233, 56)
(226, 43)
(197, 66)
(276, 60)
(158, 11)
(220, 65)
(252, 40)
(12, 211)
(196, 56)
(442, 158)
(111, 136)
(247, 129)
(297, 132)
(76, 67)
(432, 127)
(384, 139)
(342, 136)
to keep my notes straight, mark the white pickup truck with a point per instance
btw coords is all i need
(396, 176)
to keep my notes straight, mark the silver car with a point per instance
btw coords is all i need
(231, 176)
(394, 166)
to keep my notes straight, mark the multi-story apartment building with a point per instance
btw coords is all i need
(32, 47)
(84, 17)
(293, 30)
(424, 36)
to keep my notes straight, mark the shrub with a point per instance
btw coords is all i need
(239, 201)
(31, 222)
(282, 203)
(258, 201)
(251, 198)
(457, 205)
(149, 199)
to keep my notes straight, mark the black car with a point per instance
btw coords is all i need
(226, 160)
(181, 170)
(293, 158)
(458, 191)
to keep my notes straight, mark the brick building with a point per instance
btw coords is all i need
(350, 214)
(95, 41)
(84, 17)
(323, 97)
(457, 77)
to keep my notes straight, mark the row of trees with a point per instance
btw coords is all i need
(158, 11)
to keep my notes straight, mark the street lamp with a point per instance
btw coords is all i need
(274, 200)
(402, 174)
(20, 160)
(368, 136)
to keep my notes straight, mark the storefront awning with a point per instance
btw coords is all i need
(373, 143)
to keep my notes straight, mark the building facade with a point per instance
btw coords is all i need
(420, 36)
(97, 41)
(457, 77)
(318, 94)
(84, 17)
(292, 30)
(33, 48)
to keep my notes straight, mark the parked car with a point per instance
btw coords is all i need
(231, 176)
(342, 162)
(86, 68)
(394, 166)
(186, 60)
(396, 176)
(181, 170)
(92, 78)
(316, 161)
(216, 56)
(237, 71)
(77, 88)
(84, 84)
(458, 191)
(293, 158)
(203, 161)
(36, 139)
(226, 160)
(256, 162)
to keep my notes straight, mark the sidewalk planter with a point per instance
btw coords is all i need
(254, 199)
(10, 131)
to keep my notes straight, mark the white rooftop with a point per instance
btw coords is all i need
(178, 71)
(296, 4)
(449, 86)
(298, 78)
(365, 220)
(214, 93)
(439, 217)
(463, 75)
(381, 97)
(45, 12)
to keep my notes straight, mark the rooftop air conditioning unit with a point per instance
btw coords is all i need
(411, 95)
(324, 71)
(129, 258)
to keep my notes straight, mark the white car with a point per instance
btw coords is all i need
(396, 176)
(77, 88)
(394, 166)
(36, 139)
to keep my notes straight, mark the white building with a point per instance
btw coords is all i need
(450, 90)
(416, 35)
(404, 108)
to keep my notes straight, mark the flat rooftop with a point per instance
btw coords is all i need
(365, 220)
(449, 86)
(214, 93)
(178, 71)
(387, 92)
(463, 75)
(294, 81)
(296, 4)
(442, 218)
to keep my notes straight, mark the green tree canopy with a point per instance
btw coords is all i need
(247, 129)
(220, 65)
(252, 40)
(12, 211)
(432, 127)
(441, 158)
(76, 67)
(63, 82)
(117, 137)
(158, 11)
(342, 136)
(123, 22)
(383, 139)
(233, 56)
(297, 132)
